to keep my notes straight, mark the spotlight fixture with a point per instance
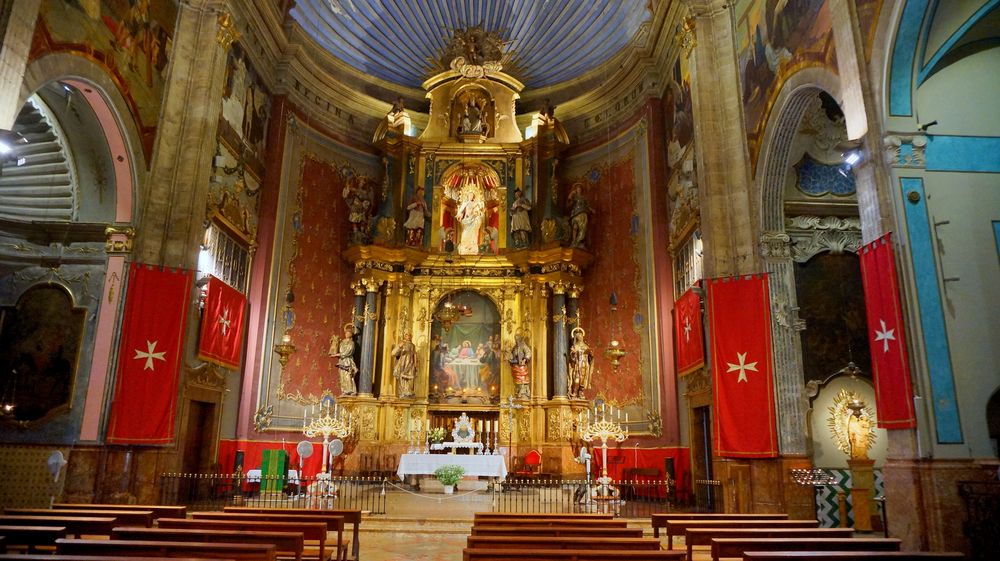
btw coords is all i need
(922, 127)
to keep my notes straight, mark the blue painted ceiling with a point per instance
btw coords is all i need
(549, 41)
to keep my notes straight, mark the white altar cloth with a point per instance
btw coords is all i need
(253, 476)
(447, 445)
(426, 464)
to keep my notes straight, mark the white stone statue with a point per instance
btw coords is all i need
(470, 215)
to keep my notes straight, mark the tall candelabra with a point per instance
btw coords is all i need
(602, 425)
(331, 421)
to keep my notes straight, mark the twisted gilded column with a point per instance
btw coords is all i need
(560, 341)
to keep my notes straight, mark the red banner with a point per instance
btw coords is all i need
(739, 322)
(890, 368)
(687, 328)
(149, 356)
(222, 323)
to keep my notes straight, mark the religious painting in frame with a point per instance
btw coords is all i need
(465, 353)
(40, 341)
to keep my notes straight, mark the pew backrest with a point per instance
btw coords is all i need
(311, 531)
(567, 555)
(74, 525)
(523, 515)
(848, 555)
(736, 547)
(141, 548)
(704, 536)
(30, 536)
(286, 543)
(574, 522)
(678, 527)
(350, 516)
(556, 531)
(571, 542)
(142, 518)
(159, 511)
(50, 557)
(659, 519)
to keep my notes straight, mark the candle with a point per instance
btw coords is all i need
(626, 418)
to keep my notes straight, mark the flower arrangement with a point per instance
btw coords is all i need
(449, 474)
(437, 434)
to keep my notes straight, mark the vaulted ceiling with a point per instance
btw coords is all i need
(549, 41)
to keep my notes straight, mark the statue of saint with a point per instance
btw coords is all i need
(579, 215)
(581, 363)
(470, 214)
(358, 196)
(343, 350)
(520, 220)
(859, 429)
(472, 120)
(519, 358)
(405, 353)
(416, 213)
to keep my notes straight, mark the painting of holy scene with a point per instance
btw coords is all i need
(465, 350)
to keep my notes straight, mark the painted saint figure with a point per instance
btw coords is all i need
(345, 365)
(470, 214)
(405, 369)
(416, 213)
(581, 363)
(519, 357)
(520, 221)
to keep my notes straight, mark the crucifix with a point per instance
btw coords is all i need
(510, 407)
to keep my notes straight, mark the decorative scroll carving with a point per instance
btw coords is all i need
(905, 151)
(560, 425)
(775, 245)
(811, 235)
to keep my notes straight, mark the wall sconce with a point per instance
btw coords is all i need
(285, 349)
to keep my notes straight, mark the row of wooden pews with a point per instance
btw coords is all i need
(773, 537)
(497, 536)
(105, 532)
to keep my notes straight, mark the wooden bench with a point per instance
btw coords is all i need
(576, 523)
(704, 536)
(159, 511)
(73, 525)
(351, 516)
(142, 518)
(556, 531)
(286, 544)
(334, 523)
(41, 557)
(567, 555)
(312, 532)
(736, 547)
(549, 542)
(659, 519)
(848, 555)
(30, 536)
(678, 527)
(145, 548)
(485, 516)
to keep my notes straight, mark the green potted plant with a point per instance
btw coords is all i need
(449, 475)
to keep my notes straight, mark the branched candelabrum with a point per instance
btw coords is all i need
(331, 421)
(602, 425)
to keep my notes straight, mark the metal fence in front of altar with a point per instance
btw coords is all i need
(214, 491)
(623, 498)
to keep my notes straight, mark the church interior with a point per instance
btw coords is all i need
(707, 256)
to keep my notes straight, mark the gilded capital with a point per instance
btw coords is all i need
(558, 287)
(574, 291)
(118, 240)
(358, 288)
(371, 284)
(227, 33)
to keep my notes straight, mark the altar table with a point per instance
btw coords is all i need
(426, 464)
(454, 445)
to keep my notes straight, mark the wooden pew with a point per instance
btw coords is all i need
(42, 557)
(312, 532)
(704, 536)
(334, 523)
(678, 527)
(556, 531)
(549, 542)
(574, 522)
(736, 547)
(74, 525)
(659, 519)
(285, 543)
(142, 518)
(486, 516)
(159, 511)
(351, 516)
(30, 536)
(849, 555)
(567, 555)
(144, 548)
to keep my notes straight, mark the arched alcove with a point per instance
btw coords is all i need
(465, 349)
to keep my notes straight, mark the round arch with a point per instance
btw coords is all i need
(120, 131)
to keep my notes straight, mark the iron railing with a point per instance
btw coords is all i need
(213, 491)
(623, 498)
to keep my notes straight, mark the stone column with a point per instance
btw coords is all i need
(15, 38)
(370, 315)
(559, 341)
(358, 319)
(173, 206)
(572, 310)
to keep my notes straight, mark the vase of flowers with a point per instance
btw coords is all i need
(437, 435)
(449, 475)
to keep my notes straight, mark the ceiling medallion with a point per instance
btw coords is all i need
(474, 52)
